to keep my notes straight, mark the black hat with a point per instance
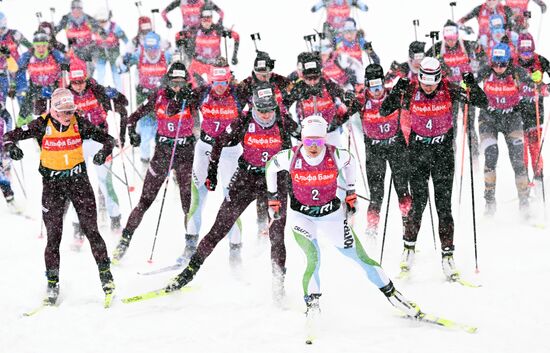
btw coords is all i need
(416, 48)
(177, 70)
(263, 62)
(263, 97)
(310, 63)
(40, 36)
(374, 75)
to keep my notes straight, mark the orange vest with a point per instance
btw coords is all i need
(61, 150)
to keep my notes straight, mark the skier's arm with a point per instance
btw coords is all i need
(398, 98)
(280, 161)
(119, 104)
(359, 4)
(35, 129)
(318, 6)
(145, 108)
(20, 39)
(476, 96)
(21, 75)
(90, 131)
(174, 4)
(62, 24)
(119, 33)
(472, 14)
(232, 132)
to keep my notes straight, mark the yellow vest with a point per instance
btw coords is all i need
(61, 150)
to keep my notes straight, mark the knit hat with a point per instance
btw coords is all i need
(63, 100)
(314, 125)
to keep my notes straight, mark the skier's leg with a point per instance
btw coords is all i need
(305, 233)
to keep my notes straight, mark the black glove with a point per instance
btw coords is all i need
(469, 79)
(12, 92)
(212, 178)
(14, 152)
(168, 24)
(100, 157)
(64, 67)
(4, 50)
(135, 138)
(349, 97)
(368, 47)
(542, 7)
(402, 85)
(467, 29)
(313, 9)
(126, 59)
(234, 60)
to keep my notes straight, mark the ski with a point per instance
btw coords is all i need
(161, 270)
(157, 293)
(443, 322)
(38, 309)
(404, 274)
(108, 300)
(463, 282)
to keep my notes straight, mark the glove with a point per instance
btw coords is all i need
(126, 59)
(467, 29)
(469, 79)
(542, 7)
(100, 157)
(349, 97)
(46, 92)
(274, 205)
(111, 92)
(12, 92)
(402, 85)
(135, 138)
(14, 152)
(536, 76)
(168, 24)
(234, 60)
(313, 9)
(368, 47)
(351, 199)
(212, 178)
(64, 67)
(4, 50)
(21, 120)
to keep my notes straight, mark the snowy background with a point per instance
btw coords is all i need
(233, 312)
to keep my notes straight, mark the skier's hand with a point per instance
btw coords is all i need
(212, 178)
(274, 206)
(111, 92)
(402, 85)
(542, 7)
(64, 67)
(469, 79)
(469, 30)
(536, 76)
(168, 24)
(234, 60)
(351, 199)
(4, 50)
(126, 59)
(46, 92)
(135, 138)
(14, 152)
(100, 157)
(12, 92)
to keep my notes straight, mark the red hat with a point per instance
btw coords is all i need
(78, 71)
(526, 43)
(220, 73)
(145, 24)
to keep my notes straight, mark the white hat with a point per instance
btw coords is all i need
(430, 71)
(63, 100)
(314, 125)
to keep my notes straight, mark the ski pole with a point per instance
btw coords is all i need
(39, 17)
(535, 169)
(416, 23)
(473, 198)
(52, 14)
(254, 36)
(153, 12)
(225, 34)
(539, 32)
(14, 117)
(452, 4)
(19, 180)
(359, 196)
(110, 171)
(167, 179)
(350, 128)
(386, 216)
(431, 216)
(465, 124)
(128, 187)
(138, 5)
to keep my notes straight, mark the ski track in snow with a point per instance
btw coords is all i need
(229, 313)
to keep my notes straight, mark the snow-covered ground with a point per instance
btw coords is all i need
(230, 312)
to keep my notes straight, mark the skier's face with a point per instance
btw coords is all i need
(492, 3)
(376, 92)
(62, 116)
(263, 76)
(312, 80)
(206, 22)
(428, 89)
(220, 87)
(40, 50)
(76, 12)
(451, 41)
(499, 69)
(78, 85)
(350, 36)
(265, 116)
(313, 145)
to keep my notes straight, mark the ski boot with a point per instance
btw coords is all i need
(78, 236)
(524, 209)
(185, 276)
(122, 246)
(115, 224)
(407, 257)
(539, 188)
(107, 283)
(490, 203)
(312, 304)
(52, 291)
(235, 259)
(278, 284)
(448, 264)
(191, 241)
(399, 302)
(13, 207)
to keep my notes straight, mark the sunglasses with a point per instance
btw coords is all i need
(499, 64)
(219, 83)
(78, 82)
(312, 78)
(65, 112)
(319, 142)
